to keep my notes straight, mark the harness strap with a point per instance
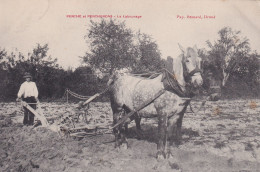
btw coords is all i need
(187, 76)
(194, 71)
(143, 105)
(171, 84)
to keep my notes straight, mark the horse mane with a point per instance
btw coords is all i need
(178, 69)
(150, 75)
(177, 72)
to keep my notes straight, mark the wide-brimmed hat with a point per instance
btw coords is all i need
(27, 75)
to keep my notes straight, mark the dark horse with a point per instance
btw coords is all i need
(127, 92)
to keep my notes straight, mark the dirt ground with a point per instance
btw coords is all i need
(223, 136)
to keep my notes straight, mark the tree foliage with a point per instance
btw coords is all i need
(42, 67)
(230, 59)
(83, 81)
(229, 49)
(114, 46)
(51, 80)
(149, 56)
(111, 46)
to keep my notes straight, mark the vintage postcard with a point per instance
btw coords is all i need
(128, 85)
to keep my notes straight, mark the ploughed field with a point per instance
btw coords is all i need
(222, 136)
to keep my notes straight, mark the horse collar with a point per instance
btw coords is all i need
(171, 84)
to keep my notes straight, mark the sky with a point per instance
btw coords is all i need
(24, 23)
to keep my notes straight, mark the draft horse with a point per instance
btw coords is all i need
(128, 91)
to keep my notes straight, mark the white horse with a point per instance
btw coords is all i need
(127, 92)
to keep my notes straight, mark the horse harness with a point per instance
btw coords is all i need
(171, 84)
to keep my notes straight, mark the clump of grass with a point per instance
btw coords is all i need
(174, 166)
(219, 145)
(249, 147)
(198, 143)
(221, 125)
(230, 162)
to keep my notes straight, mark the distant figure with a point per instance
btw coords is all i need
(29, 93)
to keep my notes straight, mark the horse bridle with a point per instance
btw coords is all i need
(187, 75)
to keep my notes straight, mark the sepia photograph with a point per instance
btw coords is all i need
(128, 85)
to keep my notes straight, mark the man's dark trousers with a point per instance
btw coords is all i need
(29, 116)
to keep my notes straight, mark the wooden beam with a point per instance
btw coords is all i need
(38, 115)
(88, 127)
(91, 98)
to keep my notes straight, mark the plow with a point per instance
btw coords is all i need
(87, 130)
(61, 127)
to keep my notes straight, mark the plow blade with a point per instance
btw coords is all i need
(37, 114)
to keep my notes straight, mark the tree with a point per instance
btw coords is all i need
(44, 69)
(82, 81)
(111, 46)
(114, 46)
(230, 60)
(149, 56)
(226, 52)
(3, 73)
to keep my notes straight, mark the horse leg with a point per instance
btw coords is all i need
(138, 125)
(176, 136)
(137, 119)
(162, 136)
(179, 124)
(120, 131)
(126, 111)
(178, 133)
(123, 130)
(116, 130)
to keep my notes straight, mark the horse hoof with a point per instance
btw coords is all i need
(169, 155)
(117, 145)
(160, 156)
(124, 146)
